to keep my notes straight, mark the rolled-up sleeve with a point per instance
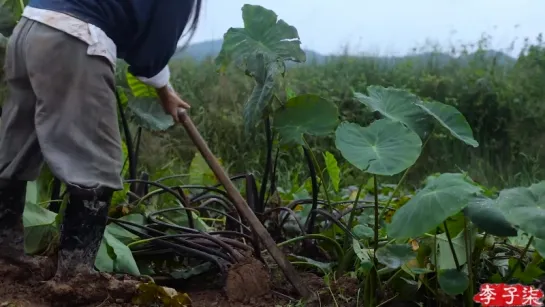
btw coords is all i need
(149, 59)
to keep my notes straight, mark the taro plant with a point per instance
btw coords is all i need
(261, 49)
(389, 146)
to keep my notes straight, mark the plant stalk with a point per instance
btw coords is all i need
(519, 261)
(398, 186)
(268, 165)
(451, 245)
(315, 190)
(471, 288)
(346, 243)
(319, 172)
(376, 226)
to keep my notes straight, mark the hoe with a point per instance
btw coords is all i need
(243, 208)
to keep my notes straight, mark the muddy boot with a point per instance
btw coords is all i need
(15, 263)
(82, 230)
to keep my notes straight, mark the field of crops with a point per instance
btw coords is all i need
(412, 182)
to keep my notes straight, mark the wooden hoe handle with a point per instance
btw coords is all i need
(243, 207)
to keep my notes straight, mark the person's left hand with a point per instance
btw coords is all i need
(171, 102)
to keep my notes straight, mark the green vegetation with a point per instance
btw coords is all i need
(419, 178)
(500, 97)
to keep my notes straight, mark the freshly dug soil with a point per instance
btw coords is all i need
(248, 284)
(21, 287)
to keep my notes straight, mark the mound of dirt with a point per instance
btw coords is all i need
(247, 281)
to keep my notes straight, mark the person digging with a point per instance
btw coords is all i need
(61, 110)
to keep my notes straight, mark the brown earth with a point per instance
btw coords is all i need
(248, 284)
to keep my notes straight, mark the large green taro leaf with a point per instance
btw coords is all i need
(395, 255)
(333, 170)
(397, 105)
(40, 227)
(453, 282)
(114, 256)
(149, 114)
(145, 109)
(124, 235)
(260, 49)
(305, 114)
(441, 198)
(262, 34)
(10, 13)
(383, 148)
(525, 208)
(266, 77)
(39, 223)
(450, 118)
(484, 213)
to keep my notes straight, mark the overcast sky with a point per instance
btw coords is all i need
(387, 26)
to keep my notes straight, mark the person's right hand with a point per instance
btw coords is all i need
(171, 102)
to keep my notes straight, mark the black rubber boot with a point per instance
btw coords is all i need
(76, 282)
(81, 232)
(12, 233)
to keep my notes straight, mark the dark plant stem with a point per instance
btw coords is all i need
(372, 279)
(128, 138)
(182, 250)
(289, 212)
(470, 289)
(346, 243)
(436, 282)
(56, 195)
(138, 141)
(519, 261)
(272, 189)
(186, 203)
(312, 216)
(449, 238)
(252, 198)
(376, 226)
(319, 172)
(268, 166)
(336, 221)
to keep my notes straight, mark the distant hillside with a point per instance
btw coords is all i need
(203, 50)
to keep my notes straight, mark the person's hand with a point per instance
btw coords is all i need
(171, 102)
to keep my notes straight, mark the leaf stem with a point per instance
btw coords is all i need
(403, 177)
(519, 261)
(319, 172)
(467, 240)
(454, 256)
(346, 244)
(376, 226)
(352, 216)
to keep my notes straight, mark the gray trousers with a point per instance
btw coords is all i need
(61, 109)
